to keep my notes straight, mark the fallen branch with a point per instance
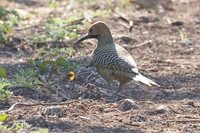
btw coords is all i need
(139, 45)
(75, 22)
(36, 104)
(7, 53)
(27, 27)
(183, 121)
(127, 20)
(188, 117)
(70, 41)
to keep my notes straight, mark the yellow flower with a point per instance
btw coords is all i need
(71, 76)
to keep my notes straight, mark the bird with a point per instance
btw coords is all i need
(111, 60)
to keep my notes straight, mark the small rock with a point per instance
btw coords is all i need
(84, 118)
(177, 23)
(90, 86)
(127, 104)
(53, 111)
(163, 107)
(191, 103)
(145, 19)
(127, 39)
(159, 110)
(167, 4)
(186, 129)
(186, 42)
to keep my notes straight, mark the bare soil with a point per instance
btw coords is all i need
(160, 54)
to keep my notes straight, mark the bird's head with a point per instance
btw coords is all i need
(99, 31)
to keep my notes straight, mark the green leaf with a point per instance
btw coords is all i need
(4, 93)
(61, 62)
(4, 83)
(42, 65)
(8, 19)
(3, 73)
(26, 77)
(31, 62)
(72, 35)
(53, 4)
(16, 126)
(3, 117)
(74, 66)
(182, 35)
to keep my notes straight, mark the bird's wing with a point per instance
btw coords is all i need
(124, 66)
(119, 60)
(126, 58)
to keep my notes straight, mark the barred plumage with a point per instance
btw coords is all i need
(112, 61)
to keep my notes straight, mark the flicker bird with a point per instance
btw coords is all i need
(111, 60)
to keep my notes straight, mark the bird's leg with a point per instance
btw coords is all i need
(112, 89)
(121, 85)
(112, 97)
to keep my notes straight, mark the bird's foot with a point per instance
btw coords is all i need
(113, 97)
(117, 92)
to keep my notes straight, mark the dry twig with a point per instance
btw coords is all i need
(183, 121)
(127, 20)
(35, 104)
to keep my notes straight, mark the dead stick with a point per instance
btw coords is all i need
(75, 22)
(127, 20)
(189, 120)
(36, 104)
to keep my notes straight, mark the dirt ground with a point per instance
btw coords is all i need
(160, 53)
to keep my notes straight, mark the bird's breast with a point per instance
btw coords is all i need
(110, 75)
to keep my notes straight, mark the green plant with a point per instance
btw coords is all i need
(27, 78)
(184, 39)
(57, 29)
(100, 12)
(53, 4)
(51, 65)
(4, 93)
(182, 35)
(12, 126)
(8, 19)
(16, 126)
(3, 73)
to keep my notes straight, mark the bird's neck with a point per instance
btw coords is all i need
(103, 41)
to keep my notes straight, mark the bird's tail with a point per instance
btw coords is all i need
(145, 80)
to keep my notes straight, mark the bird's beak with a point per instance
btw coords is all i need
(87, 36)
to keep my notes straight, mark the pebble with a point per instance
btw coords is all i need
(127, 104)
(53, 110)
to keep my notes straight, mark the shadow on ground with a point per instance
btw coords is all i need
(173, 87)
(65, 126)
